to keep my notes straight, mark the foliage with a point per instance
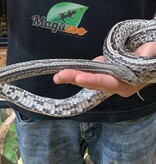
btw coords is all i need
(11, 145)
(10, 153)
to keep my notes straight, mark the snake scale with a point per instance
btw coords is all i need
(122, 40)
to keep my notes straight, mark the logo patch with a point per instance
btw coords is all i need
(62, 17)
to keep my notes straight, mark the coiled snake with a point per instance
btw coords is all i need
(124, 38)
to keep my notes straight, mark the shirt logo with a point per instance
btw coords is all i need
(63, 17)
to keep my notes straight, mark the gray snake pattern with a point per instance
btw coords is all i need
(122, 40)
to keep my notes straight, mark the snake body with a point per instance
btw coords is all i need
(123, 39)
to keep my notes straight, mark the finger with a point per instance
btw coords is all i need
(106, 83)
(85, 79)
(99, 58)
(96, 81)
(66, 76)
(147, 49)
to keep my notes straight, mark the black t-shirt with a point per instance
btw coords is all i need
(73, 29)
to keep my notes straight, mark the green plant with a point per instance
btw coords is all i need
(8, 140)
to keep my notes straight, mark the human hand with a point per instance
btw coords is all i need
(103, 82)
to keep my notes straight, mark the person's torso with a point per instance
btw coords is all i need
(64, 29)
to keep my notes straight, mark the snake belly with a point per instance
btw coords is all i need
(123, 39)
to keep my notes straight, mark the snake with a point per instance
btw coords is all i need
(118, 49)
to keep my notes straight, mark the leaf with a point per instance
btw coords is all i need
(11, 156)
(11, 143)
(10, 149)
(64, 8)
(12, 128)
